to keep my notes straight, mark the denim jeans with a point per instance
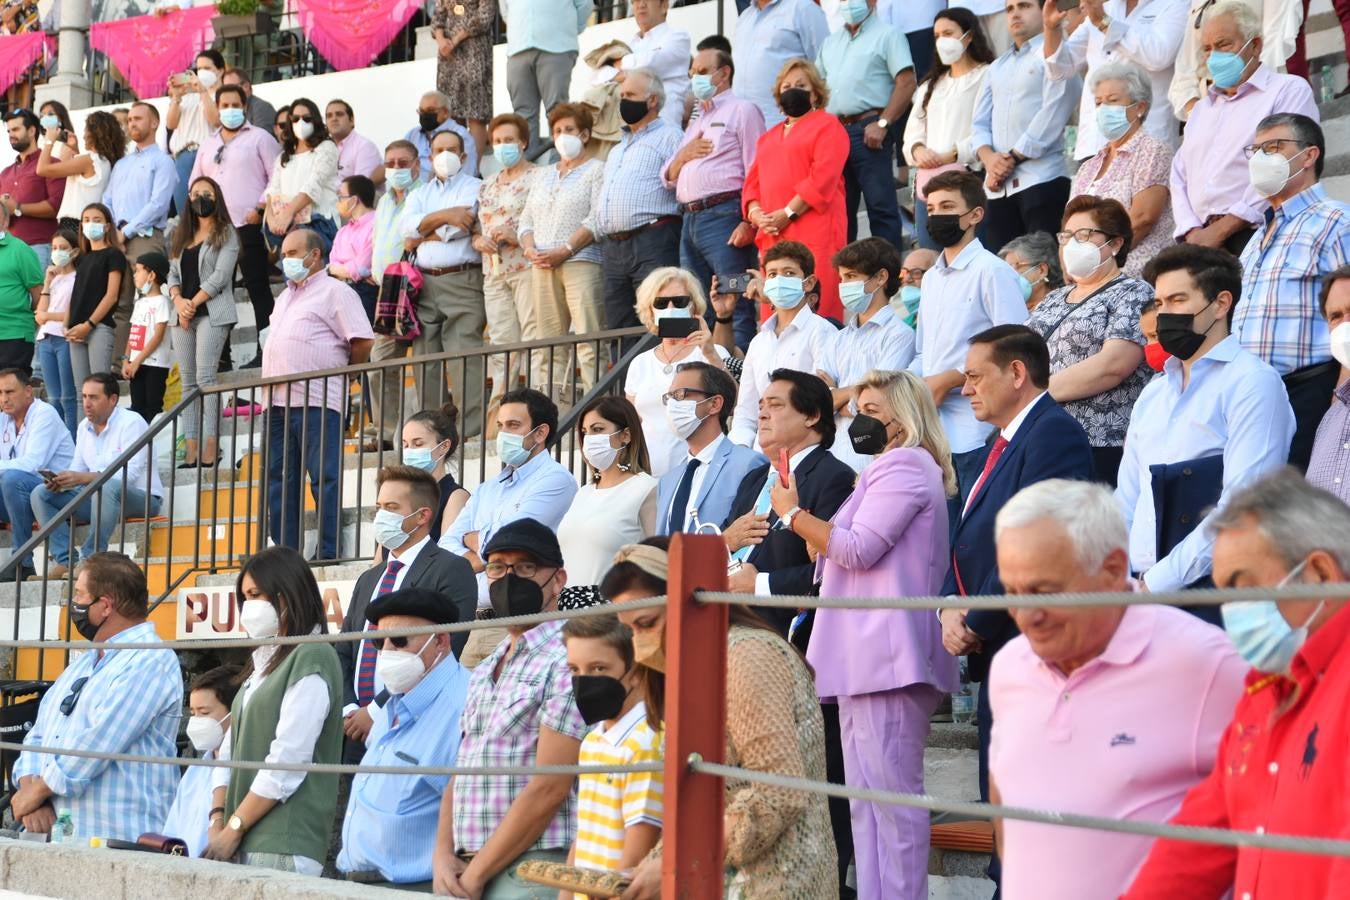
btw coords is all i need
(704, 251)
(868, 176)
(53, 353)
(115, 497)
(182, 164)
(308, 440)
(16, 506)
(624, 264)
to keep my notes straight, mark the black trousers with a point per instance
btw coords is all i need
(253, 268)
(1038, 208)
(147, 391)
(17, 354)
(1309, 389)
(625, 263)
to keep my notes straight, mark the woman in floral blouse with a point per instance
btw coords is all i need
(1091, 325)
(506, 271)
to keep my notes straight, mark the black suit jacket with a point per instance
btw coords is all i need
(434, 569)
(823, 484)
(1048, 444)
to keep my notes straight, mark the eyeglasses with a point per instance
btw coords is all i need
(68, 704)
(1083, 235)
(680, 302)
(524, 569)
(1271, 147)
(1200, 13)
(682, 394)
(907, 274)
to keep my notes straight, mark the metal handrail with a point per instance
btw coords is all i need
(604, 385)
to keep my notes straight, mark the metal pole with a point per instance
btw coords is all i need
(696, 683)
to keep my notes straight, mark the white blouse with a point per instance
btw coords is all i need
(313, 174)
(599, 522)
(946, 124)
(648, 379)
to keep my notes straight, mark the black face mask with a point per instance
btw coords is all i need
(1177, 334)
(795, 102)
(79, 617)
(632, 111)
(945, 228)
(204, 207)
(598, 697)
(868, 435)
(428, 121)
(512, 595)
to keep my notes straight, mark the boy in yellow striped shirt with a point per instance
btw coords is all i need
(618, 815)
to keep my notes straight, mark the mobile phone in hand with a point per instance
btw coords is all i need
(47, 474)
(1066, 5)
(676, 328)
(733, 282)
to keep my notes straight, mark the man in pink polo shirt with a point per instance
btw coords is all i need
(1110, 711)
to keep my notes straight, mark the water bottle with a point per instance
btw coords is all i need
(963, 706)
(1326, 85)
(64, 827)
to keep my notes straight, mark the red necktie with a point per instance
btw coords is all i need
(365, 668)
(999, 446)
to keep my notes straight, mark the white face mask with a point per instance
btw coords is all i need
(1270, 172)
(401, 670)
(1082, 258)
(683, 417)
(1340, 344)
(207, 78)
(949, 49)
(598, 451)
(569, 146)
(446, 164)
(259, 619)
(302, 129)
(206, 733)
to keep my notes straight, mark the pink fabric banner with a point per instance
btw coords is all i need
(18, 53)
(351, 33)
(148, 49)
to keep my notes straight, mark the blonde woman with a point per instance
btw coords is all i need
(668, 292)
(886, 668)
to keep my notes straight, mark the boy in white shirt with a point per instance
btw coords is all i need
(147, 358)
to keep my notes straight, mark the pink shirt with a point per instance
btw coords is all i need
(243, 170)
(357, 155)
(734, 126)
(313, 326)
(1124, 736)
(352, 246)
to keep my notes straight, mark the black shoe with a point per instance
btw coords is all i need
(23, 573)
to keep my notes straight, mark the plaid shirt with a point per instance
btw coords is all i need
(130, 702)
(501, 723)
(1278, 318)
(1329, 467)
(633, 194)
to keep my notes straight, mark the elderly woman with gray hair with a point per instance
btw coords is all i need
(1035, 259)
(1132, 166)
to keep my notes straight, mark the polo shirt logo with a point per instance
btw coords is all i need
(1310, 752)
(1122, 740)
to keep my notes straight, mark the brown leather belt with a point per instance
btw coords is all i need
(655, 223)
(450, 270)
(710, 202)
(858, 117)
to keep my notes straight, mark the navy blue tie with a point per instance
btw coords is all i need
(679, 507)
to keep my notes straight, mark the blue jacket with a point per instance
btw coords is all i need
(729, 466)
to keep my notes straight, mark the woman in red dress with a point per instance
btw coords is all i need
(794, 190)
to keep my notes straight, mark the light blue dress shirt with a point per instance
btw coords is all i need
(130, 702)
(44, 442)
(765, 39)
(548, 25)
(390, 825)
(190, 815)
(958, 301)
(633, 193)
(1234, 405)
(453, 246)
(422, 141)
(140, 188)
(1020, 109)
(860, 68)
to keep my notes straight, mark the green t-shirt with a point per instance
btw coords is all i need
(19, 272)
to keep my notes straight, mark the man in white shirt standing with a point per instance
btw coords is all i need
(788, 339)
(437, 227)
(968, 290)
(32, 439)
(1215, 420)
(192, 116)
(664, 50)
(106, 432)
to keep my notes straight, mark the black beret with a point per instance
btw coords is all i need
(527, 536)
(421, 602)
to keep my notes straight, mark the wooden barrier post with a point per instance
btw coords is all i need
(696, 691)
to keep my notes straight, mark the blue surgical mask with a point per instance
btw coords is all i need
(673, 312)
(784, 291)
(703, 87)
(232, 119)
(1025, 284)
(507, 154)
(909, 298)
(399, 179)
(511, 448)
(93, 230)
(1226, 68)
(855, 296)
(50, 121)
(1261, 635)
(60, 258)
(854, 11)
(294, 268)
(421, 457)
(1112, 121)
(388, 528)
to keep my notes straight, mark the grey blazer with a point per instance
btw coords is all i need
(215, 268)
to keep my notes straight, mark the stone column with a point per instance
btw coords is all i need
(70, 84)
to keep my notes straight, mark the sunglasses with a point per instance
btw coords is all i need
(302, 118)
(677, 302)
(68, 704)
(401, 643)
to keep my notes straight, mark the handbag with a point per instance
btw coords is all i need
(396, 308)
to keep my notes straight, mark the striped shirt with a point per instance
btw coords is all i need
(501, 723)
(1329, 467)
(387, 238)
(313, 327)
(882, 342)
(1279, 318)
(130, 702)
(633, 194)
(609, 804)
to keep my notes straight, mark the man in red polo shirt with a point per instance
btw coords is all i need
(32, 201)
(1282, 766)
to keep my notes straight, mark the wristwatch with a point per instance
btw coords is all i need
(236, 824)
(787, 517)
(790, 213)
(884, 122)
(18, 210)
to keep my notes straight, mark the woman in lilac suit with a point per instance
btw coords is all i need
(886, 668)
